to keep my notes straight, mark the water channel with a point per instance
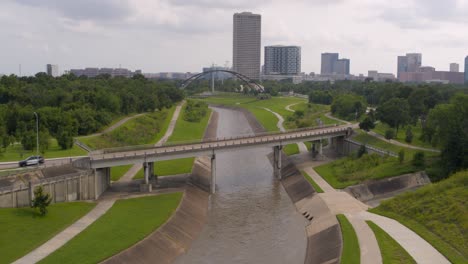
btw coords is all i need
(251, 218)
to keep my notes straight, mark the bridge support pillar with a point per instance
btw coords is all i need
(320, 150)
(148, 167)
(213, 174)
(277, 161)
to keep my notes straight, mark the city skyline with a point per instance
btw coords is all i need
(150, 35)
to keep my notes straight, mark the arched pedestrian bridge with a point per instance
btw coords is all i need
(103, 160)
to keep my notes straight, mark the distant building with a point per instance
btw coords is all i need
(217, 75)
(113, 72)
(52, 70)
(408, 63)
(341, 67)
(429, 74)
(381, 77)
(466, 70)
(247, 44)
(282, 60)
(167, 75)
(454, 67)
(328, 63)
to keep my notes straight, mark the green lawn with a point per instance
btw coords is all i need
(23, 230)
(351, 253)
(16, 152)
(170, 167)
(312, 182)
(126, 223)
(291, 149)
(349, 171)
(380, 128)
(189, 131)
(119, 171)
(391, 251)
(437, 212)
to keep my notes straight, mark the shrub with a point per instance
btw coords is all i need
(389, 134)
(362, 150)
(401, 156)
(195, 111)
(419, 159)
(409, 135)
(367, 124)
(41, 200)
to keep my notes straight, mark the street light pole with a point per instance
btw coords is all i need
(37, 135)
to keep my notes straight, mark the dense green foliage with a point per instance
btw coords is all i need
(394, 112)
(437, 212)
(23, 230)
(127, 222)
(351, 253)
(349, 106)
(194, 111)
(391, 251)
(68, 106)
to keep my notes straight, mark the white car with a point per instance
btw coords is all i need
(33, 160)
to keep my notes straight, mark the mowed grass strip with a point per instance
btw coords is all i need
(119, 171)
(312, 182)
(126, 223)
(351, 253)
(23, 229)
(16, 152)
(437, 212)
(291, 149)
(391, 251)
(170, 167)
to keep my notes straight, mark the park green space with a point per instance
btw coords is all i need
(437, 212)
(145, 129)
(380, 129)
(291, 149)
(351, 170)
(119, 171)
(127, 222)
(391, 251)
(15, 152)
(23, 229)
(312, 182)
(350, 253)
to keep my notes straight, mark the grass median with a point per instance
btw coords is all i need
(23, 229)
(126, 223)
(437, 212)
(351, 253)
(312, 182)
(391, 251)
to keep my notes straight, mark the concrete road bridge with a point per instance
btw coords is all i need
(102, 160)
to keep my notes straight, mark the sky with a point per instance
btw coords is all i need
(186, 35)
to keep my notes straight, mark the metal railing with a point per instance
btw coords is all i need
(378, 150)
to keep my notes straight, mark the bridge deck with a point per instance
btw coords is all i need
(129, 155)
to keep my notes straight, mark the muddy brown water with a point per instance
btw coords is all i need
(251, 219)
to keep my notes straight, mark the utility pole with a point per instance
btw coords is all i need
(212, 78)
(37, 135)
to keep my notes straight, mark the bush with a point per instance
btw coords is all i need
(409, 135)
(401, 156)
(195, 111)
(367, 124)
(390, 134)
(41, 200)
(362, 150)
(419, 159)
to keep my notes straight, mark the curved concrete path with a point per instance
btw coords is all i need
(128, 176)
(114, 126)
(67, 234)
(302, 147)
(288, 107)
(340, 202)
(398, 143)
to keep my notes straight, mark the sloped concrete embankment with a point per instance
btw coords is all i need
(324, 243)
(374, 191)
(174, 237)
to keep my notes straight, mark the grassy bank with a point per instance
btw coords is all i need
(119, 171)
(23, 230)
(291, 149)
(391, 251)
(312, 182)
(126, 223)
(351, 170)
(437, 212)
(351, 253)
(16, 152)
(380, 128)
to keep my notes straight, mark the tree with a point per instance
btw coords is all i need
(367, 124)
(361, 151)
(409, 135)
(349, 106)
(418, 159)
(389, 134)
(394, 112)
(401, 155)
(41, 200)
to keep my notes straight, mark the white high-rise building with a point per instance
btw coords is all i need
(52, 70)
(247, 44)
(284, 60)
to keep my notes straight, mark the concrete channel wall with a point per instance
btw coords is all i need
(84, 185)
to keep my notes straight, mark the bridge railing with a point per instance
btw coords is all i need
(210, 140)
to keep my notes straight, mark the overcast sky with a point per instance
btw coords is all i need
(185, 35)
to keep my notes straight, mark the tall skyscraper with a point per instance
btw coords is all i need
(246, 44)
(408, 63)
(454, 67)
(284, 60)
(466, 70)
(341, 66)
(52, 70)
(328, 63)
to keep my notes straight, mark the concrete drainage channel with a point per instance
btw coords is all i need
(308, 216)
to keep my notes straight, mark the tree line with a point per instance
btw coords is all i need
(70, 106)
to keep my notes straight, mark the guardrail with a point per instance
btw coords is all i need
(378, 150)
(82, 145)
(208, 141)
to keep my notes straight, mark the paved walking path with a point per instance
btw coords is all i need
(116, 125)
(66, 235)
(288, 107)
(398, 143)
(128, 176)
(302, 147)
(340, 202)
